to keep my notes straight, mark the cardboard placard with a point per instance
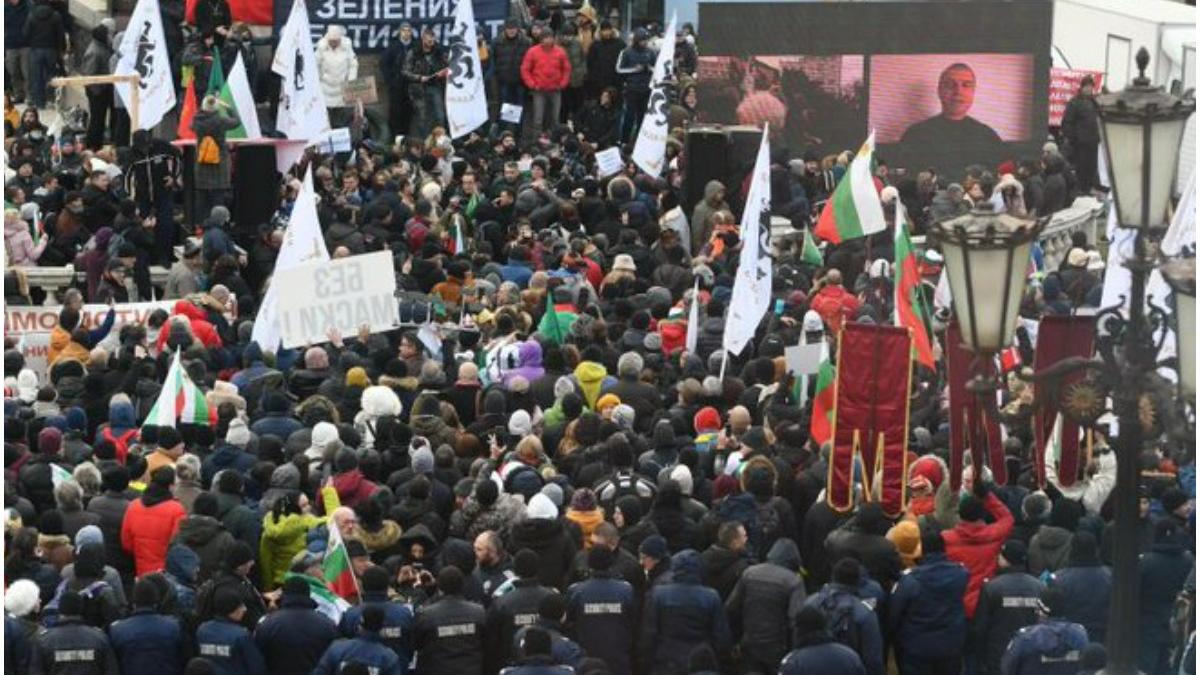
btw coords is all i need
(342, 294)
(337, 140)
(803, 359)
(361, 90)
(609, 162)
(510, 112)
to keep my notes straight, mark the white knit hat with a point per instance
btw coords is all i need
(238, 434)
(541, 507)
(323, 434)
(682, 475)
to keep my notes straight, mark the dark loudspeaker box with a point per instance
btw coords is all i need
(255, 192)
(706, 157)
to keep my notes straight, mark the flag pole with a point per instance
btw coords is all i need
(724, 362)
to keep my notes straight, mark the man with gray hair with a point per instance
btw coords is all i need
(187, 480)
(641, 396)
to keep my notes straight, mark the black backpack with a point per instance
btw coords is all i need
(838, 609)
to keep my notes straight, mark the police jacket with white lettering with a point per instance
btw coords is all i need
(509, 613)
(293, 638)
(230, 648)
(1050, 648)
(148, 643)
(601, 613)
(449, 637)
(366, 649)
(72, 648)
(398, 623)
(680, 616)
(1007, 603)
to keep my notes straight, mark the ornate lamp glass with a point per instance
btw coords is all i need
(1142, 127)
(987, 257)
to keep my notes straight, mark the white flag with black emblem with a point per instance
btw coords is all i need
(302, 114)
(752, 283)
(143, 51)
(302, 242)
(650, 151)
(466, 102)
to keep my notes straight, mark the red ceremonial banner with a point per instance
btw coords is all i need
(870, 418)
(970, 425)
(1058, 338)
(1064, 84)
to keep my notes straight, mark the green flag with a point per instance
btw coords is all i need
(810, 254)
(216, 75)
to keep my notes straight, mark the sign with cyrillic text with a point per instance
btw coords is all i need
(343, 294)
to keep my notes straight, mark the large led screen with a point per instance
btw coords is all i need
(941, 84)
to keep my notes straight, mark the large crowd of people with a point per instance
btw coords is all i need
(542, 478)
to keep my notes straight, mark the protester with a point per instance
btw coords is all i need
(543, 460)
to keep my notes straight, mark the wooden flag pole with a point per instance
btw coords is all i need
(84, 80)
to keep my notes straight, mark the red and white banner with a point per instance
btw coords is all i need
(26, 320)
(1064, 84)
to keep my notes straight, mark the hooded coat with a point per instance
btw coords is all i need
(281, 540)
(208, 538)
(529, 354)
(765, 602)
(976, 544)
(702, 225)
(550, 540)
(335, 66)
(681, 615)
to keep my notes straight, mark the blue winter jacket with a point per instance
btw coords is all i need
(681, 615)
(398, 622)
(1050, 648)
(819, 654)
(294, 638)
(147, 643)
(366, 649)
(926, 613)
(230, 648)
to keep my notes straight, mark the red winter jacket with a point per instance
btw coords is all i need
(835, 304)
(352, 487)
(976, 544)
(202, 330)
(546, 69)
(146, 531)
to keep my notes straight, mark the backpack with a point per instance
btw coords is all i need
(91, 604)
(208, 152)
(838, 609)
(768, 526)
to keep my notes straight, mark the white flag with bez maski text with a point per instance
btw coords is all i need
(302, 242)
(650, 151)
(143, 51)
(466, 102)
(752, 284)
(302, 114)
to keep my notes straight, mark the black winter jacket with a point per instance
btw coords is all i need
(449, 636)
(44, 28)
(765, 602)
(507, 56)
(551, 541)
(602, 614)
(1007, 603)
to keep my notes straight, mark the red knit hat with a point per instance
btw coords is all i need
(926, 469)
(706, 419)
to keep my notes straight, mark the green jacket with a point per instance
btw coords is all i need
(280, 542)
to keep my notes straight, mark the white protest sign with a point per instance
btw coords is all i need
(608, 162)
(510, 112)
(803, 359)
(26, 320)
(342, 294)
(337, 140)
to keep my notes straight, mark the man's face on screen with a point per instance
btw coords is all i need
(956, 90)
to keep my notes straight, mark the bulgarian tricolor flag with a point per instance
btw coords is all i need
(336, 566)
(180, 400)
(328, 603)
(854, 209)
(820, 426)
(909, 304)
(235, 93)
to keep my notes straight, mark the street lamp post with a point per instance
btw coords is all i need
(1142, 127)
